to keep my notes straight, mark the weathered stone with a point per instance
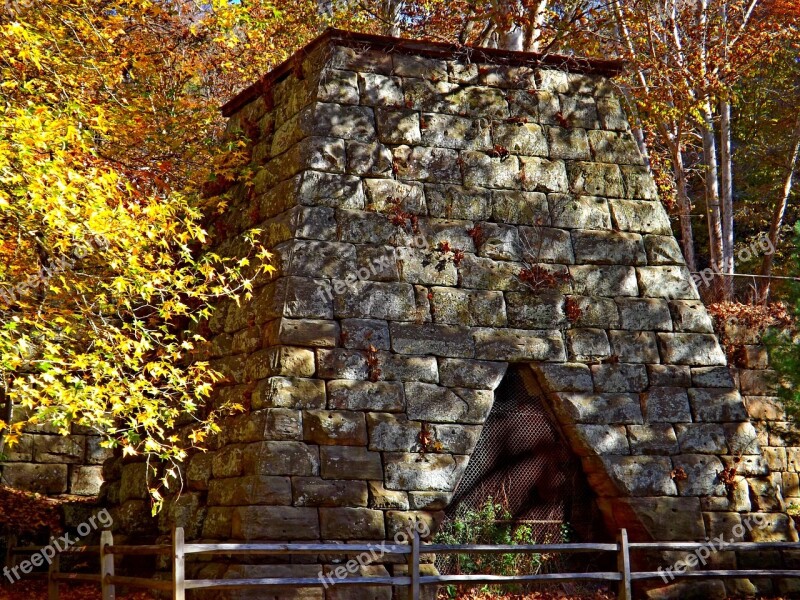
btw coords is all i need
(436, 165)
(350, 462)
(274, 523)
(518, 344)
(432, 338)
(373, 160)
(612, 116)
(542, 175)
(691, 316)
(326, 189)
(669, 376)
(382, 195)
(383, 499)
(468, 307)
(570, 144)
(632, 476)
(663, 250)
(334, 427)
(619, 377)
(645, 217)
(425, 267)
(457, 202)
(134, 480)
(348, 122)
(666, 404)
(363, 333)
(712, 377)
(455, 439)
(600, 439)
(701, 438)
(595, 179)
(429, 500)
(85, 480)
(58, 449)
(614, 147)
(568, 377)
(408, 65)
(338, 86)
(603, 280)
(486, 274)
(608, 248)
(765, 408)
(546, 245)
(516, 207)
(288, 392)
(478, 374)
(690, 349)
(594, 311)
(351, 523)
(398, 127)
(448, 131)
(539, 105)
(510, 76)
(366, 395)
(742, 438)
(376, 300)
(653, 438)
(299, 332)
(428, 472)
(279, 360)
(438, 404)
(666, 282)
(702, 472)
(588, 344)
(313, 491)
(303, 298)
(379, 90)
(579, 111)
(540, 310)
(579, 212)
(596, 409)
(772, 527)
(393, 432)
(484, 170)
(249, 490)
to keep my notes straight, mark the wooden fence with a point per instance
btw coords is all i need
(179, 550)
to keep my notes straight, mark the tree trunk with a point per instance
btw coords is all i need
(533, 35)
(726, 178)
(712, 195)
(685, 207)
(778, 214)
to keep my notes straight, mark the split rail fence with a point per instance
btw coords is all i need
(179, 550)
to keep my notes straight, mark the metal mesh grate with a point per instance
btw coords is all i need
(522, 463)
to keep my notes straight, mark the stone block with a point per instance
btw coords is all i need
(619, 377)
(340, 121)
(437, 404)
(566, 377)
(599, 439)
(765, 408)
(396, 367)
(334, 427)
(546, 245)
(271, 423)
(579, 212)
(521, 138)
(644, 314)
(448, 131)
(363, 333)
(663, 250)
(664, 518)
(666, 404)
(58, 449)
(326, 189)
(579, 111)
(428, 472)
(536, 310)
(712, 377)
(617, 147)
(653, 439)
(755, 382)
(454, 438)
(380, 90)
(518, 344)
(702, 472)
(596, 409)
(429, 500)
(383, 194)
(347, 523)
(571, 144)
(351, 395)
(588, 344)
(542, 175)
(398, 127)
(742, 438)
(477, 374)
(632, 475)
(595, 311)
(394, 433)
(701, 438)
(279, 360)
(432, 338)
(611, 114)
(376, 300)
(350, 462)
(694, 349)
(690, 316)
(425, 267)
(85, 480)
(313, 491)
(409, 65)
(506, 76)
(274, 523)
(458, 202)
(288, 392)
(252, 489)
(670, 282)
(608, 248)
(538, 105)
(338, 86)
(517, 207)
(279, 458)
(134, 480)
(360, 60)
(421, 163)
(383, 499)
(371, 160)
(603, 280)
(595, 179)
(315, 333)
(468, 307)
(217, 524)
(493, 172)
(302, 297)
(669, 376)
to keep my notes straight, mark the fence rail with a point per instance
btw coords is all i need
(178, 584)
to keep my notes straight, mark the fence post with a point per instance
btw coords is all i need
(52, 583)
(106, 566)
(178, 565)
(624, 566)
(413, 567)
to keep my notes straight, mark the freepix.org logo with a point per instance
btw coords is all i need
(101, 520)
